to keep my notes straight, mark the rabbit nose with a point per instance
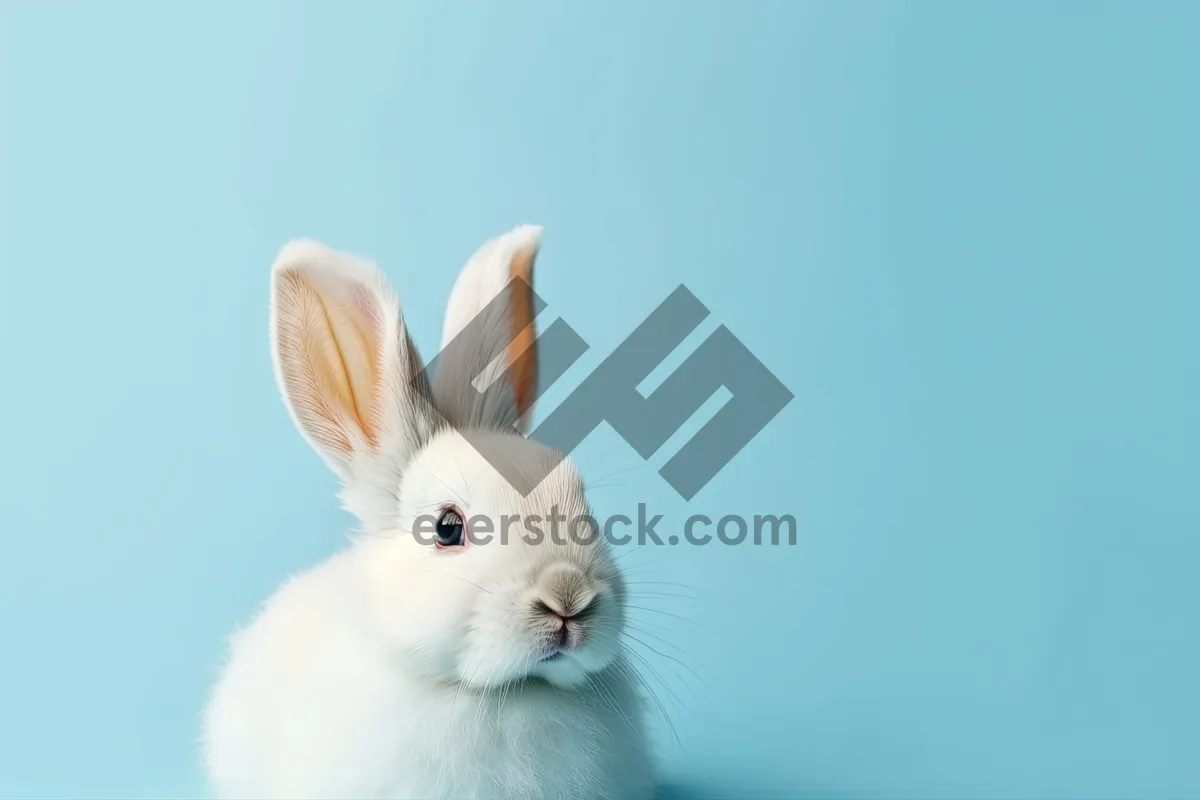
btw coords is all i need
(575, 611)
(565, 591)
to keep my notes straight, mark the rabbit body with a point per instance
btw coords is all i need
(309, 707)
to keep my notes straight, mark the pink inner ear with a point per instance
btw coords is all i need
(366, 312)
(360, 351)
(522, 352)
(312, 374)
(340, 348)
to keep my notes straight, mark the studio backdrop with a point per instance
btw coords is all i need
(961, 236)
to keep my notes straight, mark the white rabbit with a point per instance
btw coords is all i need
(404, 667)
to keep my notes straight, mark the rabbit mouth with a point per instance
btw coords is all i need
(558, 646)
(558, 651)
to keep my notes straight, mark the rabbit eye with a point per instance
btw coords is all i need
(450, 528)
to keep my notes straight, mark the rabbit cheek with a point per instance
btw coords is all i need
(493, 648)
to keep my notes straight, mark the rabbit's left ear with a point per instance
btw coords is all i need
(487, 370)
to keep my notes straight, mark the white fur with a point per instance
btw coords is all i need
(399, 670)
(485, 276)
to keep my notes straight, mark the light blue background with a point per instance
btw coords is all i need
(963, 233)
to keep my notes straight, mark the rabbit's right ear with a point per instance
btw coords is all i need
(487, 370)
(349, 373)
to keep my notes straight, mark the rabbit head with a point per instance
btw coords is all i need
(460, 576)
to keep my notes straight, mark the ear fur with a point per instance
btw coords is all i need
(347, 369)
(489, 335)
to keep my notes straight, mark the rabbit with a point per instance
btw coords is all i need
(428, 666)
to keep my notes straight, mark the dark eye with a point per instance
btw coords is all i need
(450, 528)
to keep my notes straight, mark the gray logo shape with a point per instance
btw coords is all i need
(609, 394)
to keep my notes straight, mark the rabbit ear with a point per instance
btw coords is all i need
(349, 374)
(487, 370)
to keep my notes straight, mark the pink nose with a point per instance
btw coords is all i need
(569, 613)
